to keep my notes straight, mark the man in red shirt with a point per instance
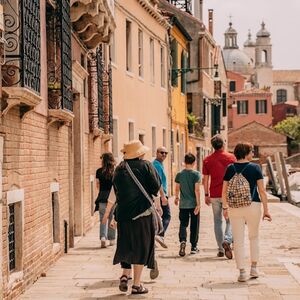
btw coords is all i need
(214, 167)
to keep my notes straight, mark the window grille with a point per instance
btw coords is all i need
(11, 238)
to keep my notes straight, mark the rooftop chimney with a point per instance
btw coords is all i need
(198, 9)
(211, 21)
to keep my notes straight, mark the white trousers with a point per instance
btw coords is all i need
(239, 217)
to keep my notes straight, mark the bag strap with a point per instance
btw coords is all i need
(140, 186)
(242, 169)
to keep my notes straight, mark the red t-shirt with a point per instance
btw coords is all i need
(215, 166)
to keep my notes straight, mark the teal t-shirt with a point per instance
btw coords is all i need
(187, 179)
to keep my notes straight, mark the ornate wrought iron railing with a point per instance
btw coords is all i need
(11, 238)
(110, 122)
(22, 33)
(101, 79)
(59, 56)
(185, 5)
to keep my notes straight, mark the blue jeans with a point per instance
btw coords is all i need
(105, 230)
(218, 224)
(166, 217)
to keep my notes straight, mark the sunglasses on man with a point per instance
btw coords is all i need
(163, 153)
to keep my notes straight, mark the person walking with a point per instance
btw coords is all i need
(214, 167)
(104, 177)
(188, 184)
(161, 154)
(242, 195)
(135, 241)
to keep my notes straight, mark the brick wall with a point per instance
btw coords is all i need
(35, 156)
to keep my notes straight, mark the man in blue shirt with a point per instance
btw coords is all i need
(161, 155)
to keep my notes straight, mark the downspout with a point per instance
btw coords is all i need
(170, 102)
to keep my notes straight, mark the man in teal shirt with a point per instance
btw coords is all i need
(161, 155)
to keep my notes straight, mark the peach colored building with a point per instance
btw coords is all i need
(55, 113)
(250, 105)
(141, 96)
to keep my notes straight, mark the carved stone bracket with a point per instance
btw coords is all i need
(60, 117)
(26, 99)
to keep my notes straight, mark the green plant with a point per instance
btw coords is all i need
(291, 127)
(192, 119)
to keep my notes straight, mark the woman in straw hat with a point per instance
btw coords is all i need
(135, 242)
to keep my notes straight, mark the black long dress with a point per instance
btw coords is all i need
(135, 243)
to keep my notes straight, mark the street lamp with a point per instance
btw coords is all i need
(178, 72)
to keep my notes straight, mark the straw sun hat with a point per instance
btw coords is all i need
(134, 149)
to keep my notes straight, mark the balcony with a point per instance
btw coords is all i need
(93, 21)
(60, 93)
(21, 70)
(100, 84)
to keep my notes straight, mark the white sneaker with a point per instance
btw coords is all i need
(112, 242)
(242, 277)
(103, 242)
(253, 272)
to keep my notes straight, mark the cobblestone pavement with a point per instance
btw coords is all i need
(86, 272)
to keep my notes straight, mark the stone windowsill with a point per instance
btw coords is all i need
(14, 279)
(20, 96)
(60, 115)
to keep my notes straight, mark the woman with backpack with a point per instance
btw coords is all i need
(242, 195)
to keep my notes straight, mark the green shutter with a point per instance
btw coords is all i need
(174, 55)
(183, 74)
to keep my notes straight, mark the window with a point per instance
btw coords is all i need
(142, 138)
(82, 60)
(281, 96)
(242, 107)
(183, 75)
(55, 217)
(261, 106)
(115, 141)
(256, 151)
(264, 56)
(232, 86)
(164, 136)
(131, 131)
(15, 232)
(12, 238)
(172, 146)
(174, 56)
(112, 48)
(224, 105)
(152, 69)
(128, 46)
(162, 67)
(153, 141)
(198, 158)
(140, 45)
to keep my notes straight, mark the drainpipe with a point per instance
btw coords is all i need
(170, 101)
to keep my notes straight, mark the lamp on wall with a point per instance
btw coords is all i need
(179, 72)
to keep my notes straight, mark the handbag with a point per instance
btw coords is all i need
(156, 218)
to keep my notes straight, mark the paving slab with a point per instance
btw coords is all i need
(87, 273)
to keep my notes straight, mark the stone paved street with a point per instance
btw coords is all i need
(86, 273)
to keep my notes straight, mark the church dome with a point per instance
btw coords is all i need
(263, 31)
(230, 29)
(249, 42)
(238, 61)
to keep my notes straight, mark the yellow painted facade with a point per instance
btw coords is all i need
(179, 134)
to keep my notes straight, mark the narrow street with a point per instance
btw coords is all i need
(86, 272)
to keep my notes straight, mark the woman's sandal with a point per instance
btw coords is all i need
(139, 289)
(123, 286)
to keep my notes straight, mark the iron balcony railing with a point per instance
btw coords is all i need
(22, 51)
(59, 56)
(185, 5)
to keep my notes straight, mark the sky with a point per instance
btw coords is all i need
(282, 19)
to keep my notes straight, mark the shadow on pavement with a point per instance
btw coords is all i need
(224, 285)
(102, 284)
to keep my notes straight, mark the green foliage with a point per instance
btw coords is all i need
(290, 126)
(192, 119)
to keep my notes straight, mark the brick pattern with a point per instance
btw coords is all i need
(34, 157)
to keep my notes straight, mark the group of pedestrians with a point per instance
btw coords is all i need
(233, 186)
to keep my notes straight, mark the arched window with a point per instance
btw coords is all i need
(281, 95)
(264, 56)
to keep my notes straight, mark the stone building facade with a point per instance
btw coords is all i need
(49, 151)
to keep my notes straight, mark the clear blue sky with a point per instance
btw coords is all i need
(281, 18)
